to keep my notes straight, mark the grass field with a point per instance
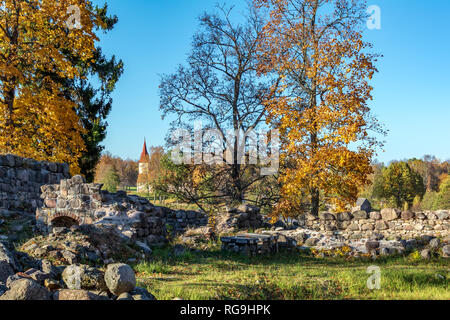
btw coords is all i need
(292, 276)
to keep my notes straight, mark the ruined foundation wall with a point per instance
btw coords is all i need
(20, 182)
(389, 222)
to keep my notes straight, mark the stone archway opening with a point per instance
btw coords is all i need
(64, 222)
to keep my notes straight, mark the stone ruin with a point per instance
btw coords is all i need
(251, 244)
(46, 189)
(74, 202)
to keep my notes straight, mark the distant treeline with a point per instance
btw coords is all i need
(419, 184)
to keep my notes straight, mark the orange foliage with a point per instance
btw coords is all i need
(316, 48)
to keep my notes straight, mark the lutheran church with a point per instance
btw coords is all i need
(143, 185)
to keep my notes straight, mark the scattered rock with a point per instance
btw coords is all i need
(142, 294)
(446, 251)
(434, 244)
(311, 242)
(69, 256)
(83, 295)
(52, 284)
(145, 248)
(372, 245)
(82, 277)
(426, 254)
(125, 296)
(26, 289)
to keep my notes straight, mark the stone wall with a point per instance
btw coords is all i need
(74, 202)
(181, 220)
(390, 223)
(20, 182)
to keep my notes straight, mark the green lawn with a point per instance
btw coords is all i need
(216, 275)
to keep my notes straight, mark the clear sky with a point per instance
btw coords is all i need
(412, 89)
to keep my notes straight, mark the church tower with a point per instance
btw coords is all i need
(144, 167)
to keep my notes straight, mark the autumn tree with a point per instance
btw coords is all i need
(36, 36)
(431, 169)
(201, 184)
(155, 166)
(127, 170)
(220, 87)
(317, 48)
(401, 184)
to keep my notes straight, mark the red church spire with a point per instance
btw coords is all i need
(145, 157)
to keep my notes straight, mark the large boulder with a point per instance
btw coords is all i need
(390, 214)
(120, 278)
(26, 289)
(77, 277)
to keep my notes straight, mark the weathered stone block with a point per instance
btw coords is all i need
(360, 215)
(390, 214)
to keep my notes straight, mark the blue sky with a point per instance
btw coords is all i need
(412, 89)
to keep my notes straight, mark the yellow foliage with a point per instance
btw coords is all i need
(36, 120)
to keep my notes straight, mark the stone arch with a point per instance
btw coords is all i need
(66, 220)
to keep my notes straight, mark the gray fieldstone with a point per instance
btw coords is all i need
(390, 214)
(82, 277)
(120, 278)
(26, 289)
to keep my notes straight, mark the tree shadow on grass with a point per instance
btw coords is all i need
(271, 291)
(424, 280)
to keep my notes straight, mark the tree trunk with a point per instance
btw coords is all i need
(315, 198)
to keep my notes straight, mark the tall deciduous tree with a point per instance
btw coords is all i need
(36, 119)
(220, 87)
(316, 46)
(401, 184)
